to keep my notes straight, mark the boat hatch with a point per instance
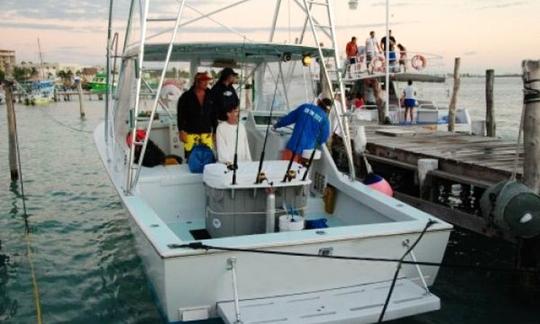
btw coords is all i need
(356, 304)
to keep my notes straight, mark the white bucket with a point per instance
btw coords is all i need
(289, 223)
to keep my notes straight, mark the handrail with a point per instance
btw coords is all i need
(156, 99)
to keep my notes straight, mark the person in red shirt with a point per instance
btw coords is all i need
(352, 50)
(358, 102)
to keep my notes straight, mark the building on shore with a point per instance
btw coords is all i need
(7, 57)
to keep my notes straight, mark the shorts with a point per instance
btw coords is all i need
(204, 138)
(410, 103)
(352, 60)
(369, 57)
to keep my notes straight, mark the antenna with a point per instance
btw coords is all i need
(41, 60)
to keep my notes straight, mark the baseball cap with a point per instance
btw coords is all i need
(226, 72)
(203, 76)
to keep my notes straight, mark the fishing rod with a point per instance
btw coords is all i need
(312, 156)
(261, 160)
(235, 160)
(291, 160)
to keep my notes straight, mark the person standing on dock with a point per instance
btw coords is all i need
(196, 116)
(402, 58)
(372, 49)
(223, 92)
(352, 53)
(409, 99)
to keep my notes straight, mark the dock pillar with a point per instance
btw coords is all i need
(531, 125)
(490, 110)
(81, 107)
(10, 108)
(453, 100)
(424, 166)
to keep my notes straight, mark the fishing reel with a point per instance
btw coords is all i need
(231, 166)
(261, 177)
(291, 175)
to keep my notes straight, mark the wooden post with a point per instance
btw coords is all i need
(81, 107)
(14, 170)
(490, 111)
(531, 125)
(453, 100)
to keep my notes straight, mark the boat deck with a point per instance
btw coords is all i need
(184, 229)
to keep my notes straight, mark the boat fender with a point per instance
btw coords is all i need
(376, 182)
(418, 62)
(360, 140)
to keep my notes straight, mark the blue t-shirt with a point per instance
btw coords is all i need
(311, 123)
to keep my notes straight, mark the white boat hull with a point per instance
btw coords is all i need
(190, 284)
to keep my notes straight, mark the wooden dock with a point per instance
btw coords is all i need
(468, 165)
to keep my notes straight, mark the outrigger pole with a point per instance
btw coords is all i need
(387, 58)
(108, 71)
(261, 159)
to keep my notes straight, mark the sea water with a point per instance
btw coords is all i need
(83, 254)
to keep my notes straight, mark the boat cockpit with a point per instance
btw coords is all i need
(182, 206)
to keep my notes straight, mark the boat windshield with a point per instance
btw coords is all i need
(284, 87)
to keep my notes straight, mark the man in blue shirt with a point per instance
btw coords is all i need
(311, 127)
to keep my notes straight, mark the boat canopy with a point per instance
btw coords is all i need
(229, 53)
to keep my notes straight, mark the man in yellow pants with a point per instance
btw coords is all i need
(197, 120)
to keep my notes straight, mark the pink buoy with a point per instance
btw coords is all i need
(378, 183)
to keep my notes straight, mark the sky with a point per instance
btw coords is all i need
(486, 34)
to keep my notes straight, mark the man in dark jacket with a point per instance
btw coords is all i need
(196, 116)
(223, 92)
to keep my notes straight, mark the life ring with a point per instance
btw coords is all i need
(378, 64)
(418, 62)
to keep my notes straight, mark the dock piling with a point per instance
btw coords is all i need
(453, 100)
(531, 124)
(490, 109)
(81, 107)
(10, 108)
(424, 166)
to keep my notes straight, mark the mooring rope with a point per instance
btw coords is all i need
(398, 268)
(27, 232)
(63, 124)
(400, 262)
(202, 246)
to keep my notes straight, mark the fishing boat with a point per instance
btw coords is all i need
(421, 69)
(38, 92)
(99, 84)
(264, 241)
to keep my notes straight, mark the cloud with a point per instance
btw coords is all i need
(49, 26)
(395, 4)
(470, 53)
(503, 5)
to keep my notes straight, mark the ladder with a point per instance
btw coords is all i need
(328, 27)
(134, 169)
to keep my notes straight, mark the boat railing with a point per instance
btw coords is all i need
(413, 61)
(429, 106)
